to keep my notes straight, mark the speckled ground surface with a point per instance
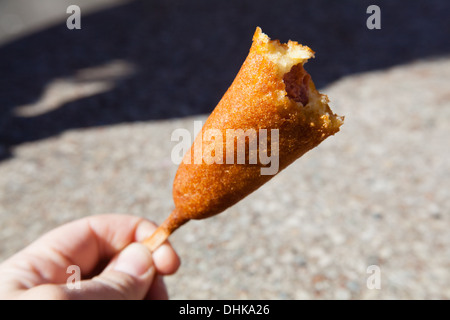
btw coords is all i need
(95, 138)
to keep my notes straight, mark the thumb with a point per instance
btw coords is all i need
(128, 277)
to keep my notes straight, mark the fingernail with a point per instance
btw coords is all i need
(134, 260)
(144, 230)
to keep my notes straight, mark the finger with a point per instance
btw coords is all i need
(129, 277)
(165, 258)
(84, 243)
(158, 290)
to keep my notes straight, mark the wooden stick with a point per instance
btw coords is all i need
(173, 222)
(156, 239)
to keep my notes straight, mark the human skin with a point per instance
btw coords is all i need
(39, 271)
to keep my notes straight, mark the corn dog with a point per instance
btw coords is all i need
(272, 93)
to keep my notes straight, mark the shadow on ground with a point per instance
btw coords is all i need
(185, 54)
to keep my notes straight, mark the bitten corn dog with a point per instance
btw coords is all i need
(271, 92)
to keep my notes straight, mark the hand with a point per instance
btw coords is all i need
(40, 271)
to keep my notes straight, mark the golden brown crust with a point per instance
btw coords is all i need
(251, 102)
